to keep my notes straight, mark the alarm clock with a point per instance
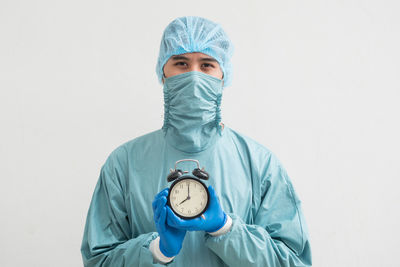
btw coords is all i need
(188, 196)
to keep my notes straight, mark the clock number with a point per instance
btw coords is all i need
(176, 191)
(189, 211)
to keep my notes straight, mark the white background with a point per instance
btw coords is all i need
(317, 82)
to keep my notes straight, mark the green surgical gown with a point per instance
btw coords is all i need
(268, 227)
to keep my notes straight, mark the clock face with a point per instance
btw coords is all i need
(188, 197)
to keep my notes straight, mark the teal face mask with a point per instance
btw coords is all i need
(192, 111)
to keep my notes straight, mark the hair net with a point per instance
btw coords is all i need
(195, 34)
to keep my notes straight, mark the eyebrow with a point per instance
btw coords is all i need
(208, 59)
(178, 57)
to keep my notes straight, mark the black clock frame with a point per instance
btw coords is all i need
(186, 177)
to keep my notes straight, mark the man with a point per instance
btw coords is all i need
(254, 216)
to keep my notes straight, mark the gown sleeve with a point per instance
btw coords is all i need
(278, 235)
(107, 239)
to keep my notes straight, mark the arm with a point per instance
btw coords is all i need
(278, 236)
(108, 239)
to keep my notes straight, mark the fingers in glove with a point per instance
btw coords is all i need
(158, 196)
(163, 192)
(162, 222)
(179, 223)
(159, 205)
(212, 191)
(213, 194)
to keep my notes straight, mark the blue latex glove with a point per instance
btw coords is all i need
(170, 238)
(215, 217)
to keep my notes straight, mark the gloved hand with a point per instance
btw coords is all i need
(215, 217)
(170, 238)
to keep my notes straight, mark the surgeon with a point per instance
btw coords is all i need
(254, 217)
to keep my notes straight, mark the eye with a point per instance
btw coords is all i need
(207, 65)
(180, 63)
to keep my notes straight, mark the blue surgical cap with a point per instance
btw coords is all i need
(195, 34)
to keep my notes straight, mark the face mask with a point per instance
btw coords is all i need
(192, 110)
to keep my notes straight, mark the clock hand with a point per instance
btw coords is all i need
(183, 200)
(188, 192)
